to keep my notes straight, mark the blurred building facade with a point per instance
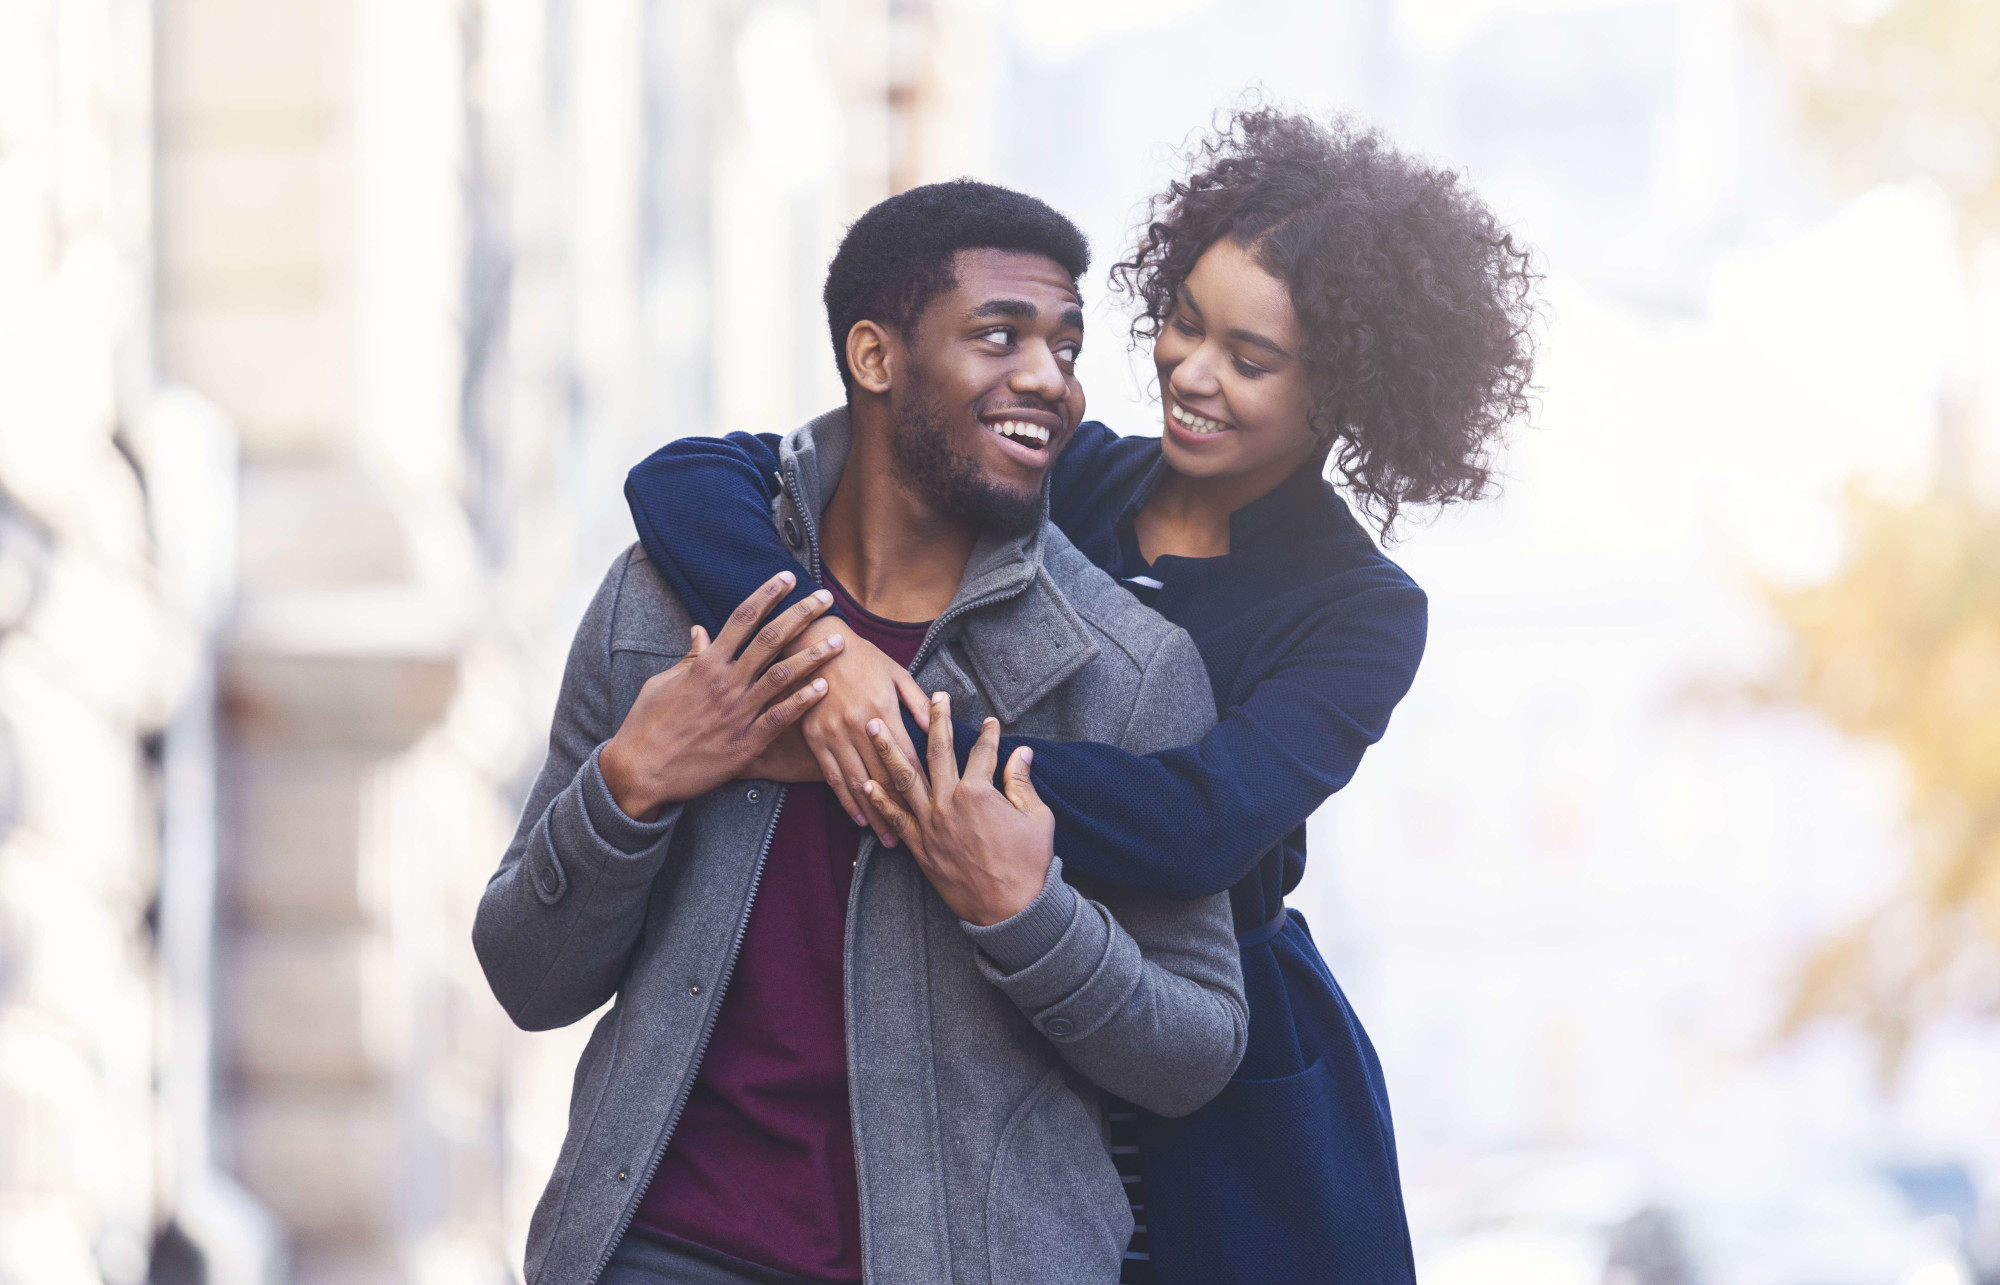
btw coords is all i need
(327, 331)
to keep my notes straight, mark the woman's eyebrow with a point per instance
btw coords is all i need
(1256, 340)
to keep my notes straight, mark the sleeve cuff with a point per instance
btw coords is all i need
(1022, 940)
(609, 820)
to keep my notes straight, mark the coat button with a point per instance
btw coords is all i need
(695, 989)
(752, 796)
(1060, 1026)
(621, 1175)
(791, 531)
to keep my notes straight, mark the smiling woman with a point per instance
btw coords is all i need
(1386, 287)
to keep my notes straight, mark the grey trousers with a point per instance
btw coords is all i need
(643, 1261)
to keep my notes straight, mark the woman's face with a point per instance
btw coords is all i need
(1232, 383)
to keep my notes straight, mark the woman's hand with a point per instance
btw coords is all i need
(863, 686)
(986, 853)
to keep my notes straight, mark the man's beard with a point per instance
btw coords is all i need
(921, 454)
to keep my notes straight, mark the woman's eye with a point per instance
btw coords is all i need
(1249, 371)
(1187, 327)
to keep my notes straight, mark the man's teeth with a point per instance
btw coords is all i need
(1197, 423)
(1027, 434)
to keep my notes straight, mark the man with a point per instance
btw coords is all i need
(905, 1082)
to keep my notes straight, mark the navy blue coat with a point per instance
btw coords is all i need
(1310, 636)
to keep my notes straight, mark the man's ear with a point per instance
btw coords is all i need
(872, 356)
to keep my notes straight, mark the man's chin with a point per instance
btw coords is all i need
(1001, 510)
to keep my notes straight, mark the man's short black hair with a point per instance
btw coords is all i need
(897, 257)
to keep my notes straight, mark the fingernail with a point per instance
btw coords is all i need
(936, 697)
(1027, 755)
(834, 642)
(787, 579)
(822, 596)
(819, 684)
(859, 819)
(874, 727)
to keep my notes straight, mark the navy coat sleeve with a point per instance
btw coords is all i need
(1184, 823)
(702, 506)
(1193, 821)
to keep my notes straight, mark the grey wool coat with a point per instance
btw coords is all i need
(977, 1093)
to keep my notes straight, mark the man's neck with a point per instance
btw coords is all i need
(892, 551)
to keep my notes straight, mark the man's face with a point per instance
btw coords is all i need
(989, 393)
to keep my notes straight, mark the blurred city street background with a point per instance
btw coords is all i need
(327, 332)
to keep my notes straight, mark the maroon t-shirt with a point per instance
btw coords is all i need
(761, 1165)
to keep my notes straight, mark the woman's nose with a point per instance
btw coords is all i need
(1195, 377)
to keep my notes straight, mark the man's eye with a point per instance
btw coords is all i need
(999, 335)
(1069, 352)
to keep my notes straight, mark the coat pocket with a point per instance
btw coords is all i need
(1056, 1212)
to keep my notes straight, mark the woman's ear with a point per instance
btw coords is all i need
(870, 359)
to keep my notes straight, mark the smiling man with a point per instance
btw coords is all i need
(830, 1060)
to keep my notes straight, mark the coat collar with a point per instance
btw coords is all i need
(1303, 497)
(1016, 627)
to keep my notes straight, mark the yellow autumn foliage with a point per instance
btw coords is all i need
(1902, 645)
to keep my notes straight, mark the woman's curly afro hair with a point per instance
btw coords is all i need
(1413, 302)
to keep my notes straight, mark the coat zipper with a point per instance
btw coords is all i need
(700, 1049)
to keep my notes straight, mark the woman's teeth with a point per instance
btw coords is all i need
(1032, 436)
(1196, 423)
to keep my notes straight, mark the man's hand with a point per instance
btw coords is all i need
(985, 852)
(703, 721)
(863, 685)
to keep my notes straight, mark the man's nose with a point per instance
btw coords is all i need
(1039, 374)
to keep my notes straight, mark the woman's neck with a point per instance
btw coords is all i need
(1188, 517)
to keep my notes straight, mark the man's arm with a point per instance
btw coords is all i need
(559, 918)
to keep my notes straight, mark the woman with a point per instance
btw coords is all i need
(1313, 298)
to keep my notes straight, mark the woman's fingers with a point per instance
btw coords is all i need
(787, 670)
(984, 760)
(829, 768)
(1019, 787)
(751, 611)
(904, 777)
(853, 771)
(912, 694)
(944, 760)
(892, 719)
(898, 818)
(878, 771)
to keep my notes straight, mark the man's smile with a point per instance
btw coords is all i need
(1026, 434)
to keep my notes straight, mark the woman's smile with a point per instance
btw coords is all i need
(1199, 425)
